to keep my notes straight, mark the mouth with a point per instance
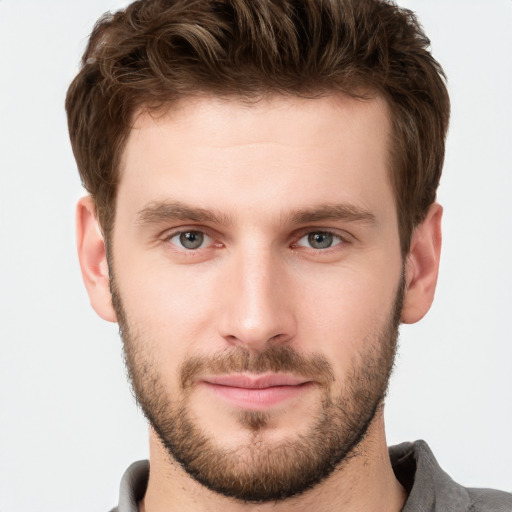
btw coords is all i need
(256, 392)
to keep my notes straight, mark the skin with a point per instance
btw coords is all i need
(256, 280)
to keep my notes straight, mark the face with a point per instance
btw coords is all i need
(257, 279)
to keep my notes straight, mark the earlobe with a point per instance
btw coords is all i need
(93, 259)
(422, 266)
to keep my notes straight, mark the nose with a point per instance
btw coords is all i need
(259, 298)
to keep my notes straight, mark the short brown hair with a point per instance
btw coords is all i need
(156, 52)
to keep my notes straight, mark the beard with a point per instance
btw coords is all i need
(263, 470)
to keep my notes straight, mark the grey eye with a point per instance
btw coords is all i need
(189, 239)
(320, 240)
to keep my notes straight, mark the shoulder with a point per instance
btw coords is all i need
(430, 489)
(489, 500)
(133, 487)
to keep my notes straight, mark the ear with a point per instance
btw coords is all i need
(93, 259)
(422, 266)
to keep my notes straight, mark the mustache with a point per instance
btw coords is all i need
(275, 359)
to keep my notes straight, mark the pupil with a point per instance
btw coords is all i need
(191, 239)
(320, 240)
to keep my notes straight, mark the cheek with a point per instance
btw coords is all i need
(171, 307)
(342, 311)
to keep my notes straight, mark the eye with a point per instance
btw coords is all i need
(320, 240)
(190, 240)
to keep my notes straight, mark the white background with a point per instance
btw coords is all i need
(68, 424)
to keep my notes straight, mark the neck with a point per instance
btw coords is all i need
(364, 482)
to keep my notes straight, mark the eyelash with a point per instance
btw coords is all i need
(336, 237)
(168, 238)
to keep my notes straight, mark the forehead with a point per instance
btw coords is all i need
(233, 120)
(231, 153)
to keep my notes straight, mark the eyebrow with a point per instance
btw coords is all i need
(165, 211)
(345, 212)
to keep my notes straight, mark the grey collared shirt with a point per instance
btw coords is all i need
(428, 487)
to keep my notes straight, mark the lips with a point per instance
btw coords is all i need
(256, 392)
(256, 381)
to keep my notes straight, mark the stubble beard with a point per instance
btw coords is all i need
(262, 470)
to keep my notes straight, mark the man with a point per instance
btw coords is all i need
(261, 218)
